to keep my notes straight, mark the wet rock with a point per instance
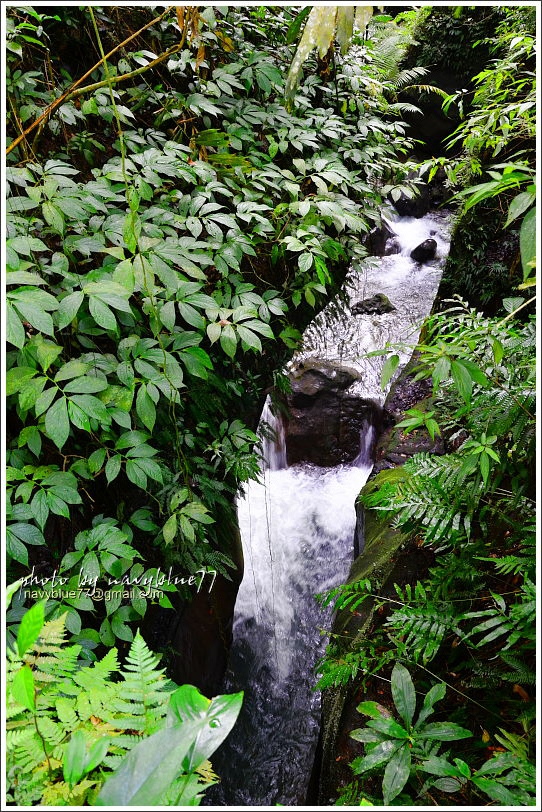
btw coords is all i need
(202, 632)
(325, 421)
(393, 246)
(312, 378)
(414, 206)
(424, 251)
(376, 241)
(377, 304)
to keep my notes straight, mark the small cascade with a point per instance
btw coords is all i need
(339, 335)
(411, 231)
(367, 441)
(297, 526)
(273, 433)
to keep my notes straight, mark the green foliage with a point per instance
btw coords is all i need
(73, 726)
(499, 123)
(401, 747)
(470, 617)
(171, 228)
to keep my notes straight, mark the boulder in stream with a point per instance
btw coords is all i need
(393, 246)
(325, 420)
(425, 251)
(375, 305)
(377, 239)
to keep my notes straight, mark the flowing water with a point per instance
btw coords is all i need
(297, 526)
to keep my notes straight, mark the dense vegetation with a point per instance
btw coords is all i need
(466, 629)
(174, 221)
(172, 227)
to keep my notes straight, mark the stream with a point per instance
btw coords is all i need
(297, 526)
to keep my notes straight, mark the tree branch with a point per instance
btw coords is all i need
(115, 79)
(70, 92)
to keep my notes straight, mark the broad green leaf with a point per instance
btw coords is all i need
(102, 314)
(249, 338)
(47, 351)
(150, 767)
(404, 695)
(388, 370)
(474, 371)
(86, 385)
(11, 589)
(434, 695)
(496, 791)
(367, 735)
(228, 340)
(259, 327)
(53, 216)
(68, 308)
(135, 474)
(462, 380)
(448, 784)
(93, 407)
(304, 262)
(396, 774)
(40, 508)
(75, 758)
(436, 765)
(379, 755)
(169, 530)
(151, 468)
(17, 377)
(96, 754)
(145, 407)
(527, 242)
(30, 627)
(35, 315)
(22, 688)
(444, 731)
(295, 26)
(96, 460)
(388, 726)
(57, 424)
(519, 205)
(167, 315)
(15, 548)
(90, 566)
(220, 714)
(120, 628)
(14, 328)
(372, 709)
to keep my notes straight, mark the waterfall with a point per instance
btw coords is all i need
(297, 526)
(273, 434)
(367, 439)
(411, 231)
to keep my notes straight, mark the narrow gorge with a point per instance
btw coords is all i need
(298, 522)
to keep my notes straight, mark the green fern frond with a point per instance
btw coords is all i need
(422, 629)
(409, 76)
(521, 672)
(51, 732)
(144, 695)
(404, 107)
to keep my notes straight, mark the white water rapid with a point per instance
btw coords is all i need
(297, 526)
